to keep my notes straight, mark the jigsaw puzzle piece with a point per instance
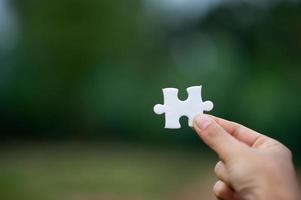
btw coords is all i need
(194, 94)
(195, 98)
(207, 105)
(195, 104)
(172, 120)
(171, 103)
(170, 96)
(174, 108)
(171, 117)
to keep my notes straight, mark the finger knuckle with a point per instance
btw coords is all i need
(237, 130)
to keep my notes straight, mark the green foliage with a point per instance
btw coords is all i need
(94, 69)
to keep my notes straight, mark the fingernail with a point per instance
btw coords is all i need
(203, 121)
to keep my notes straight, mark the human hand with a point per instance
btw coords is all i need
(252, 167)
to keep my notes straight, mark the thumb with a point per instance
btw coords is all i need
(224, 144)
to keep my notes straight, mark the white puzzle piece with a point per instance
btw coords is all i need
(175, 108)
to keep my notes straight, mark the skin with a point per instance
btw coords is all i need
(252, 166)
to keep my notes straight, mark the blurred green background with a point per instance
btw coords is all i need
(79, 79)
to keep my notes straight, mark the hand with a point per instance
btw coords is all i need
(252, 167)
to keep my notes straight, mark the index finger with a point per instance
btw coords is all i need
(240, 132)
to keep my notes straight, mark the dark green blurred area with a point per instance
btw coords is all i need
(94, 69)
(90, 72)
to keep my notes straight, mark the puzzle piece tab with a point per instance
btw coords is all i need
(175, 108)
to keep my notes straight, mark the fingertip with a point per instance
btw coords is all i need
(223, 191)
(202, 121)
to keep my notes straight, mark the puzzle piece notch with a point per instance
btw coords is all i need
(174, 108)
